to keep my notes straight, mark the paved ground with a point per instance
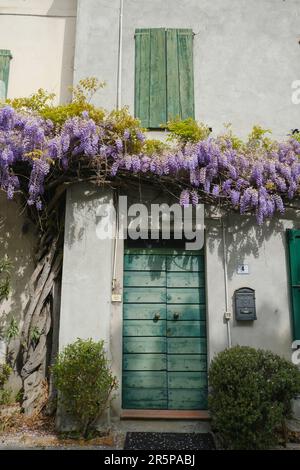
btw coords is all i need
(43, 439)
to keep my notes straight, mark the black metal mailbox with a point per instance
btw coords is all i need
(245, 309)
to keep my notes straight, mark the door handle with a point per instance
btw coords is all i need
(176, 316)
(156, 316)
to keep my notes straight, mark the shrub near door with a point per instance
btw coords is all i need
(250, 397)
(83, 377)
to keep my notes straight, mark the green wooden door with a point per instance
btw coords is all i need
(164, 330)
(294, 252)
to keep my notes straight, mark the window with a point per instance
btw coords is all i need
(5, 58)
(164, 81)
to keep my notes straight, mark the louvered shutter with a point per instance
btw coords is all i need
(5, 58)
(164, 82)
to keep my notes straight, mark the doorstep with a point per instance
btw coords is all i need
(166, 414)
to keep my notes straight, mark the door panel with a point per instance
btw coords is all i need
(144, 294)
(144, 311)
(186, 312)
(144, 361)
(144, 262)
(144, 278)
(188, 399)
(187, 362)
(192, 346)
(148, 344)
(187, 380)
(185, 296)
(144, 328)
(185, 279)
(185, 263)
(144, 379)
(186, 329)
(147, 398)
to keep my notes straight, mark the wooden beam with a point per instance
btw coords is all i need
(165, 414)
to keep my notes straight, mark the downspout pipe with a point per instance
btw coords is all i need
(116, 237)
(227, 313)
(119, 75)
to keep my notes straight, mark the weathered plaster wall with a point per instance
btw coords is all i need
(246, 55)
(87, 267)
(264, 250)
(41, 36)
(18, 242)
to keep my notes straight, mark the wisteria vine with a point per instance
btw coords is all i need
(259, 180)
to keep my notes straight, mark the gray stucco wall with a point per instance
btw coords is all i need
(264, 250)
(87, 269)
(17, 242)
(246, 55)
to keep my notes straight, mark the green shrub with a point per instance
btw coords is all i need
(5, 372)
(250, 396)
(5, 272)
(155, 147)
(5, 395)
(42, 102)
(187, 130)
(83, 377)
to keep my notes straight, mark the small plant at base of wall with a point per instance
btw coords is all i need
(84, 381)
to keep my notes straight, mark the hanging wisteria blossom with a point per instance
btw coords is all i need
(255, 182)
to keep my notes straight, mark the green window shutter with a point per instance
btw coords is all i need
(142, 75)
(294, 255)
(164, 82)
(150, 77)
(5, 58)
(158, 89)
(180, 73)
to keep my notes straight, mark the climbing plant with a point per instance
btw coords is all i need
(5, 269)
(44, 148)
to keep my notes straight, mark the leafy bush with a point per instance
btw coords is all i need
(121, 125)
(187, 130)
(41, 102)
(155, 147)
(5, 395)
(251, 392)
(83, 377)
(12, 330)
(5, 372)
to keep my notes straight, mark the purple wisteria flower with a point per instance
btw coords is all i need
(126, 134)
(184, 198)
(252, 181)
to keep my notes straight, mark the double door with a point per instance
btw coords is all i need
(164, 330)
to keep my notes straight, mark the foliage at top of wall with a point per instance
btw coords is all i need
(41, 103)
(43, 146)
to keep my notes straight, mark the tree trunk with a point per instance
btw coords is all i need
(39, 322)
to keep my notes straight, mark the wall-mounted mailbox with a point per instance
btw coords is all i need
(245, 309)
